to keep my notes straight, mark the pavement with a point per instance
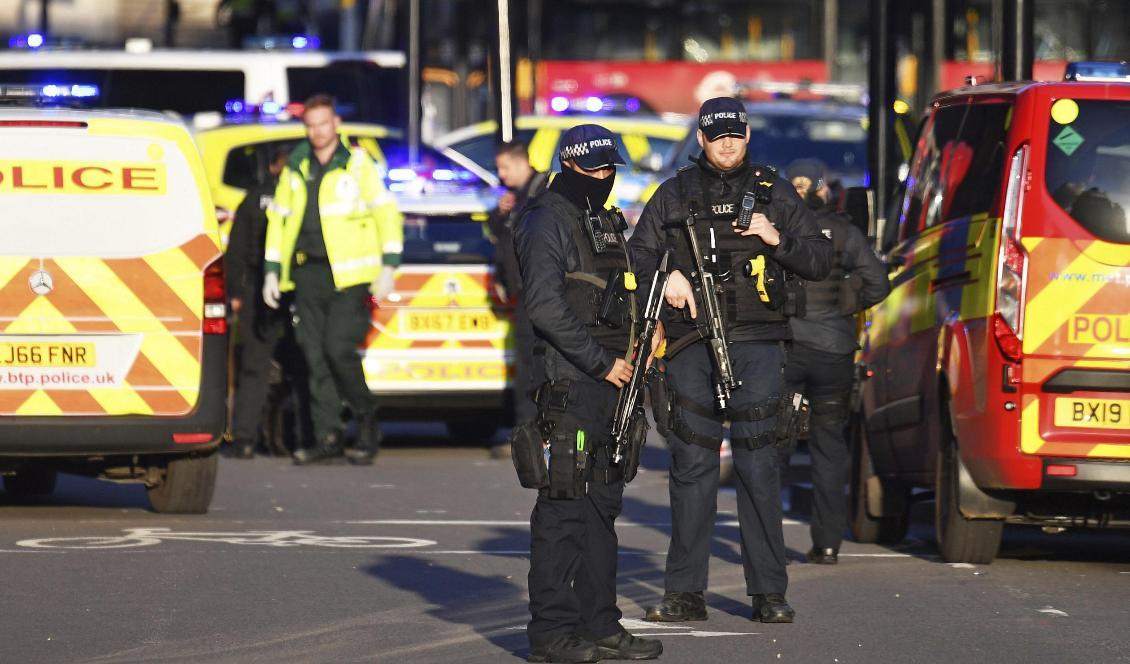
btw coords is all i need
(423, 558)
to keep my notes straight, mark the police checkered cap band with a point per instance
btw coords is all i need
(591, 147)
(722, 116)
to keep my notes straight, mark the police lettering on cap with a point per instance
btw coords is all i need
(722, 116)
(591, 147)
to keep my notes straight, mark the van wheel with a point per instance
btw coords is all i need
(31, 481)
(187, 486)
(960, 540)
(865, 528)
(477, 429)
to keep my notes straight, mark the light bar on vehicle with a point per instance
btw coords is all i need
(48, 92)
(594, 104)
(283, 43)
(31, 40)
(237, 109)
(846, 91)
(1097, 71)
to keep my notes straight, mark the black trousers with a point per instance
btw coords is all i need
(694, 472)
(330, 326)
(573, 544)
(259, 329)
(825, 378)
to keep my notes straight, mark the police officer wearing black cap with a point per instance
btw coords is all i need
(569, 247)
(821, 360)
(782, 238)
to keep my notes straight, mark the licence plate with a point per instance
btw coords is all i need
(1092, 413)
(46, 354)
(436, 322)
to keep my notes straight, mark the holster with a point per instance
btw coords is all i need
(792, 418)
(637, 437)
(660, 397)
(795, 299)
(567, 442)
(614, 309)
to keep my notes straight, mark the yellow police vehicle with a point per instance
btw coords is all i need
(113, 330)
(646, 143)
(438, 347)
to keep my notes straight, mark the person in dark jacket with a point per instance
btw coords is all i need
(820, 363)
(522, 183)
(573, 546)
(782, 233)
(259, 327)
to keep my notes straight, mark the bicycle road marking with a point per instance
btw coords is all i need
(141, 537)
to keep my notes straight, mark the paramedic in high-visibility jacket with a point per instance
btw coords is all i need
(334, 237)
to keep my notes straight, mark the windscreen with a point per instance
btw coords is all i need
(457, 240)
(185, 92)
(1088, 164)
(67, 193)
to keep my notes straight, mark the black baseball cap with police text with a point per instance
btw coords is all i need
(722, 116)
(590, 146)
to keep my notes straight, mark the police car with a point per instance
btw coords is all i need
(439, 345)
(646, 144)
(113, 329)
(1000, 363)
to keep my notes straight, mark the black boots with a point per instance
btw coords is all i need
(569, 649)
(678, 607)
(326, 451)
(823, 555)
(626, 646)
(772, 608)
(368, 441)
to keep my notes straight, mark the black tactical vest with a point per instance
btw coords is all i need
(834, 291)
(585, 288)
(730, 251)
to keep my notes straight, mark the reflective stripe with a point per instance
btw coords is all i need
(273, 255)
(330, 209)
(355, 264)
(279, 209)
(393, 247)
(383, 198)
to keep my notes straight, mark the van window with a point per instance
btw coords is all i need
(481, 149)
(246, 165)
(184, 92)
(445, 240)
(75, 194)
(956, 170)
(1088, 167)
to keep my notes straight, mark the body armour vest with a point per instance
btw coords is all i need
(600, 277)
(726, 252)
(838, 293)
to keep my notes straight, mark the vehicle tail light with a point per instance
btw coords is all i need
(192, 438)
(49, 124)
(215, 300)
(1012, 263)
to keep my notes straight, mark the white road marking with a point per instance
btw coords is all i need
(1051, 611)
(961, 566)
(488, 522)
(644, 628)
(875, 555)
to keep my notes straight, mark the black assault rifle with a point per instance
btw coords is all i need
(714, 330)
(630, 400)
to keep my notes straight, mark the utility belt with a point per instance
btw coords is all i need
(302, 258)
(791, 410)
(556, 456)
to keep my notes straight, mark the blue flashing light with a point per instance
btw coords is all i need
(34, 40)
(632, 104)
(559, 104)
(234, 106)
(1097, 71)
(303, 42)
(54, 91)
(271, 107)
(401, 174)
(443, 175)
(594, 104)
(84, 91)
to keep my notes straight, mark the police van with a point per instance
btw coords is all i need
(113, 330)
(1000, 363)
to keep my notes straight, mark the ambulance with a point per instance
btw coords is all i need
(113, 329)
(1000, 364)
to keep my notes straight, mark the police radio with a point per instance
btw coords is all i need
(605, 228)
(762, 193)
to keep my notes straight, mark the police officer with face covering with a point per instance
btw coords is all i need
(821, 360)
(572, 255)
(754, 267)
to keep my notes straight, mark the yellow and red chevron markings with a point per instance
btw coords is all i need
(158, 297)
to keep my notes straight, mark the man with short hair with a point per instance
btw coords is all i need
(334, 237)
(523, 183)
(705, 199)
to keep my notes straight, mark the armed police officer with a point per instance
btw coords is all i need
(334, 237)
(572, 258)
(820, 361)
(741, 238)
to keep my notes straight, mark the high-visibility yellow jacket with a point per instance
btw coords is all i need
(361, 226)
